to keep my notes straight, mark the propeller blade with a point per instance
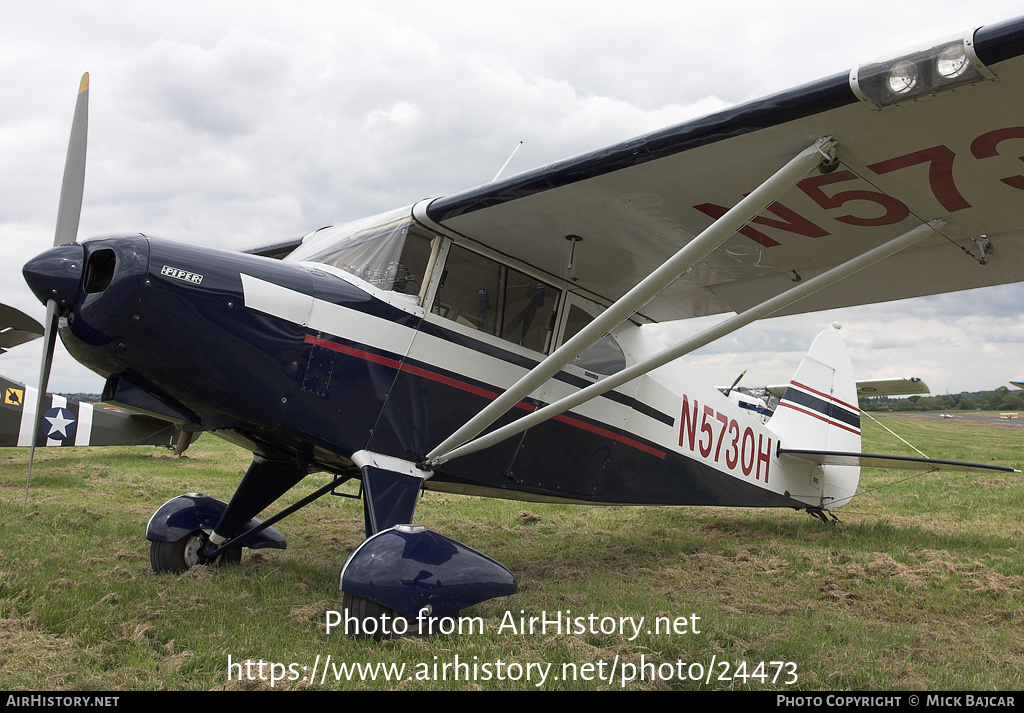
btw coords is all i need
(70, 210)
(729, 390)
(49, 342)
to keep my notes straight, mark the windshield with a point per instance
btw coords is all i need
(389, 250)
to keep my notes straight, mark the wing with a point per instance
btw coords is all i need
(951, 151)
(16, 328)
(897, 386)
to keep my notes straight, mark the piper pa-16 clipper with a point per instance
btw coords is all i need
(494, 342)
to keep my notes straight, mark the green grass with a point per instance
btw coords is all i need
(918, 589)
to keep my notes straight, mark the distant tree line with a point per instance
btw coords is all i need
(1002, 399)
(84, 398)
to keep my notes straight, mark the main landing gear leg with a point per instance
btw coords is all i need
(404, 577)
(188, 527)
(268, 478)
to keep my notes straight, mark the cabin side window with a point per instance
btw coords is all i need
(605, 356)
(485, 295)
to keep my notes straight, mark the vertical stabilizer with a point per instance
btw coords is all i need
(819, 411)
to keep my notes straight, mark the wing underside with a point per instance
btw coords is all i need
(954, 155)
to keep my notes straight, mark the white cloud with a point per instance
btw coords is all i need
(243, 123)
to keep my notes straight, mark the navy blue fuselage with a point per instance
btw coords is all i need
(166, 323)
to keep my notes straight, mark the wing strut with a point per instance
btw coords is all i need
(822, 151)
(684, 347)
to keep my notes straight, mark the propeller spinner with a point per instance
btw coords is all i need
(55, 275)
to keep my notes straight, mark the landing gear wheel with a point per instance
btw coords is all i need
(372, 620)
(186, 553)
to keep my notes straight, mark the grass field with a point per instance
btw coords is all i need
(919, 588)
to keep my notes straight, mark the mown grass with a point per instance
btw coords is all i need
(919, 588)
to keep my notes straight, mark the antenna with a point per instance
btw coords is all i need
(500, 170)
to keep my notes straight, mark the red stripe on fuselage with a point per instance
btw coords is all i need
(476, 390)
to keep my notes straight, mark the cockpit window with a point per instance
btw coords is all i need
(483, 294)
(389, 251)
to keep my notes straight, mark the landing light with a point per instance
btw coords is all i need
(903, 77)
(930, 69)
(952, 62)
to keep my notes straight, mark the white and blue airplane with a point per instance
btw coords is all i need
(496, 342)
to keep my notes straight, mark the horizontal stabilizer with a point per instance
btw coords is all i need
(874, 460)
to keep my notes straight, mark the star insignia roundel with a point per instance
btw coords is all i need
(59, 424)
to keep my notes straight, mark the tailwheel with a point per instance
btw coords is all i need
(188, 552)
(827, 517)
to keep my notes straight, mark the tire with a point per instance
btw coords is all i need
(372, 620)
(180, 556)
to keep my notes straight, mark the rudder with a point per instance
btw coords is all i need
(819, 411)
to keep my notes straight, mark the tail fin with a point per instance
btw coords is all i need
(819, 411)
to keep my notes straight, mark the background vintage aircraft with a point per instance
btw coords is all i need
(68, 422)
(16, 328)
(763, 400)
(404, 349)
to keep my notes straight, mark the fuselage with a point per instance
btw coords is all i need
(291, 357)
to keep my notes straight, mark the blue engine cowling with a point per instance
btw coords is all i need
(184, 514)
(409, 568)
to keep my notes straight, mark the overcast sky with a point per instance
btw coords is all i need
(235, 124)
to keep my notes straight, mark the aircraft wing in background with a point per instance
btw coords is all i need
(16, 328)
(897, 386)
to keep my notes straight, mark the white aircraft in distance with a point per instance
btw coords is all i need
(493, 342)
